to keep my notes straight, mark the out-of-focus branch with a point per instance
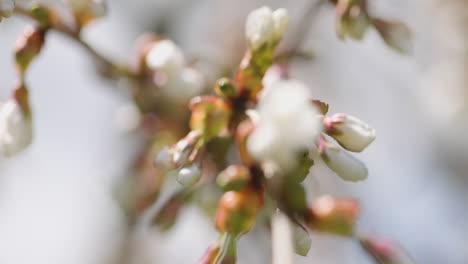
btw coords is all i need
(384, 251)
(74, 34)
(282, 240)
(300, 33)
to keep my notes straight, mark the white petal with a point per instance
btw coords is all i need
(184, 85)
(260, 27)
(287, 124)
(166, 57)
(353, 134)
(281, 21)
(343, 164)
(15, 129)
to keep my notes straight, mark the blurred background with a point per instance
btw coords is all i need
(56, 199)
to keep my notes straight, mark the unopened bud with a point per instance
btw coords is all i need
(351, 133)
(334, 215)
(15, 124)
(234, 177)
(265, 27)
(188, 176)
(225, 87)
(237, 211)
(165, 57)
(210, 116)
(28, 46)
(342, 163)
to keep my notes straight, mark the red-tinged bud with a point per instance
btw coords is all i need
(384, 250)
(234, 177)
(238, 210)
(28, 46)
(210, 116)
(333, 215)
(244, 129)
(350, 132)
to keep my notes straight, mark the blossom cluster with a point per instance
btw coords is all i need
(273, 122)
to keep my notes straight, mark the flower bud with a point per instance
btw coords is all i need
(234, 177)
(165, 57)
(28, 46)
(333, 214)
(281, 21)
(342, 163)
(210, 116)
(6, 8)
(350, 132)
(237, 211)
(225, 87)
(188, 176)
(265, 27)
(15, 126)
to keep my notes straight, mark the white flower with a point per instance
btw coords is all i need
(184, 85)
(343, 164)
(165, 57)
(15, 129)
(351, 133)
(264, 26)
(6, 8)
(288, 124)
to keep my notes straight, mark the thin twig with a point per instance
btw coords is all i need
(115, 68)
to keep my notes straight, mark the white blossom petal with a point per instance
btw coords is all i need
(344, 164)
(352, 133)
(166, 57)
(287, 124)
(184, 85)
(15, 129)
(260, 27)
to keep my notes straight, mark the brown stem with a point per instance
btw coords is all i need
(74, 34)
